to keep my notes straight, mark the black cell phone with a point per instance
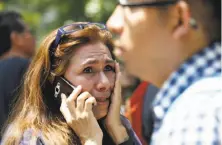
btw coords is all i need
(62, 85)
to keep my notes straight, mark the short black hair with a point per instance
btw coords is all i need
(10, 21)
(208, 13)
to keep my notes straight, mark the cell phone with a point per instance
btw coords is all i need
(62, 85)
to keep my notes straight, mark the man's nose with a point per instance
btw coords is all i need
(115, 22)
(103, 82)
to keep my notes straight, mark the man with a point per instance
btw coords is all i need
(175, 44)
(17, 45)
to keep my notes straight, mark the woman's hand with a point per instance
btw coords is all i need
(77, 111)
(112, 122)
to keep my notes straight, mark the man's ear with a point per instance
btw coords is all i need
(15, 38)
(183, 20)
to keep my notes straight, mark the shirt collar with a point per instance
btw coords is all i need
(205, 63)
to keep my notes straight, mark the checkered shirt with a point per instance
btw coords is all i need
(188, 108)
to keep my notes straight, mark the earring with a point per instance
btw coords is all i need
(193, 23)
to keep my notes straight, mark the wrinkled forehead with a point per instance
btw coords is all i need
(93, 49)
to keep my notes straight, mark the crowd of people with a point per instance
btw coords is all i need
(69, 91)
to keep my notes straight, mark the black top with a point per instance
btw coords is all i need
(11, 74)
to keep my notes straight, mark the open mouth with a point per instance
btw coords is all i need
(102, 100)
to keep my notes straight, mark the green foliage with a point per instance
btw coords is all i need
(44, 16)
(1, 6)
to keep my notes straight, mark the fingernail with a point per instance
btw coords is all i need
(63, 96)
(79, 86)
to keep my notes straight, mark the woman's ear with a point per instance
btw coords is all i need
(184, 18)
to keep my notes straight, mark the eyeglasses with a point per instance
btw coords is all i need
(127, 3)
(72, 28)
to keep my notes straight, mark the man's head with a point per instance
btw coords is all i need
(156, 36)
(15, 34)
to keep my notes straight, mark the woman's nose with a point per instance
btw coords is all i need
(115, 22)
(103, 82)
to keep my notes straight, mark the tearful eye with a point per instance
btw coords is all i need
(88, 70)
(109, 68)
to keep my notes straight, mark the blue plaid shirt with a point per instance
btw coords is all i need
(188, 108)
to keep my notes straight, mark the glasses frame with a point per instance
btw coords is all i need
(148, 4)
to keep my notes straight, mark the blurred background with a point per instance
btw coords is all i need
(45, 15)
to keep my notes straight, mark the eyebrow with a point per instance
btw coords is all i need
(94, 61)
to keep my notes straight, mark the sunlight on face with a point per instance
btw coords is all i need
(139, 32)
(93, 67)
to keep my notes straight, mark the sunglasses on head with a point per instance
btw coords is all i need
(127, 3)
(68, 29)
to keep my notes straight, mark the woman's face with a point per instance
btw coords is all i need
(93, 68)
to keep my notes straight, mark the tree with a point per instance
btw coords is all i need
(45, 15)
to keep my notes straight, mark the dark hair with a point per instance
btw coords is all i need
(206, 12)
(10, 21)
(216, 4)
(209, 15)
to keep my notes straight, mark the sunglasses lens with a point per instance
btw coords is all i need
(71, 28)
(76, 27)
(130, 2)
(100, 26)
(139, 3)
(123, 2)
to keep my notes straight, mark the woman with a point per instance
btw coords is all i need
(82, 54)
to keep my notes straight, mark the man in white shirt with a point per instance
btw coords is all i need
(175, 44)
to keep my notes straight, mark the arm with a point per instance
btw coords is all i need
(133, 139)
(124, 134)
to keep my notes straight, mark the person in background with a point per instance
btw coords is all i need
(134, 109)
(175, 45)
(17, 45)
(16, 38)
(138, 106)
